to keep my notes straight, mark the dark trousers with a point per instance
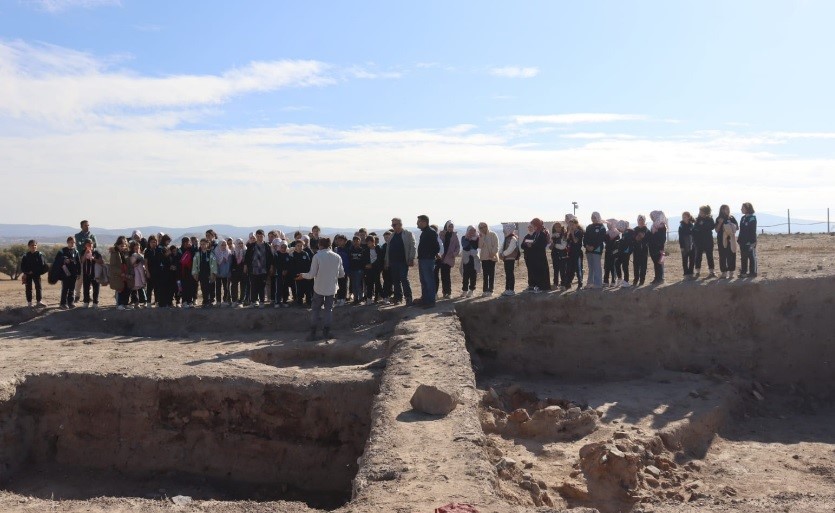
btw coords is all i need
(540, 273)
(322, 307)
(386, 293)
(509, 274)
(639, 266)
(123, 297)
(189, 289)
(138, 296)
(708, 253)
(657, 265)
(237, 289)
(488, 275)
(610, 270)
(281, 290)
(469, 276)
(207, 289)
(304, 292)
(89, 282)
(623, 264)
(373, 287)
(446, 278)
(165, 291)
(256, 287)
(400, 279)
(30, 281)
(357, 284)
(342, 288)
(575, 268)
(727, 258)
(222, 289)
(688, 261)
(560, 265)
(67, 290)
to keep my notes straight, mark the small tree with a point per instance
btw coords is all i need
(9, 263)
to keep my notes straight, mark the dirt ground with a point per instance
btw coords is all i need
(234, 410)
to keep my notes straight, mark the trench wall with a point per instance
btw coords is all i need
(308, 437)
(780, 332)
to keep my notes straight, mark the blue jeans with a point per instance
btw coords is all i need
(426, 268)
(595, 269)
(400, 279)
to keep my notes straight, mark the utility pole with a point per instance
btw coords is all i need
(575, 207)
(827, 220)
(789, 217)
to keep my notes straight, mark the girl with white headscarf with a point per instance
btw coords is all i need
(595, 242)
(470, 263)
(625, 246)
(509, 255)
(559, 255)
(657, 240)
(223, 257)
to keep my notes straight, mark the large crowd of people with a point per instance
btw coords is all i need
(273, 268)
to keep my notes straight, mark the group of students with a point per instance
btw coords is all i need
(270, 267)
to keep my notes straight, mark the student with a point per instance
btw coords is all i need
(703, 239)
(373, 268)
(610, 269)
(576, 234)
(470, 263)
(300, 263)
(748, 242)
(257, 265)
(640, 251)
(559, 255)
(686, 244)
(68, 267)
(595, 243)
(153, 261)
(359, 257)
(187, 282)
(656, 242)
(726, 228)
(524, 246)
(341, 243)
(236, 272)
(80, 237)
(451, 249)
(118, 272)
(89, 258)
(170, 271)
(510, 255)
(138, 296)
(625, 248)
(32, 266)
(204, 271)
(313, 241)
(283, 280)
(386, 273)
(488, 253)
(325, 270)
(223, 257)
(535, 253)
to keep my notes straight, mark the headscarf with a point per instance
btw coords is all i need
(508, 229)
(136, 234)
(613, 231)
(596, 217)
(622, 226)
(569, 218)
(538, 225)
(222, 252)
(239, 252)
(641, 219)
(659, 220)
(252, 238)
(446, 224)
(472, 233)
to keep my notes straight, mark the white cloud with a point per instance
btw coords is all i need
(514, 72)
(55, 6)
(597, 135)
(64, 87)
(576, 118)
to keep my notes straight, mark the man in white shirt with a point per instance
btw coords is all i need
(325, 270)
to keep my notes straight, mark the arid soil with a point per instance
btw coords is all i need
(714, 395)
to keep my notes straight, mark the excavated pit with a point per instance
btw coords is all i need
(79, 436)
(618, 400)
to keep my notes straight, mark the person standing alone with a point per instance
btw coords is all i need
(325, 271)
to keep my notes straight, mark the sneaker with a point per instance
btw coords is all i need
(254, 304)
(752, 275)
(120, 307)
(71, 305)
(711, 274)
(447, 296)
(285, 305)
(536, 290)
(368, 302)
(463, 293)
(508, 293)
(30, 304)
(408, 301)
(469, 293)
(186, 306)
(95, 305)
(742, 275)
(485, 294)
(64, 307)
(41, 304)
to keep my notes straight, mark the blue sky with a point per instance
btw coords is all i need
(346, 113)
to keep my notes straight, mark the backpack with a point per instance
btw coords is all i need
(101, 274)
(55, 273)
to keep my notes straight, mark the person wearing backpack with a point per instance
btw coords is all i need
(68, 266)
(89, 258)
(32, 266)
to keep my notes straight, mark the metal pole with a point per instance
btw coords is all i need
(827, 220)
(789, 216)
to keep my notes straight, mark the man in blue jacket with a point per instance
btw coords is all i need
(427, 252)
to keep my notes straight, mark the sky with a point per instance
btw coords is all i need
(145, 112)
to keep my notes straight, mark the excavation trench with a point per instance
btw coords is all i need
(87, 435)
(610, 400)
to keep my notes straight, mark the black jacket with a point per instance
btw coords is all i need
(685, 237)
(703, 232)
(428, 246)
(299, 262)
(640, 246)
(34, 264)
(747, 230)
(358, 257)
(68, 257)
(596, 237)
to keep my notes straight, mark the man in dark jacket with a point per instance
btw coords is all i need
(68, 267)
(32, 266)
(257, 264)
(428, 249)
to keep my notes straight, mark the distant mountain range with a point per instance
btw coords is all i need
(48, 233)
